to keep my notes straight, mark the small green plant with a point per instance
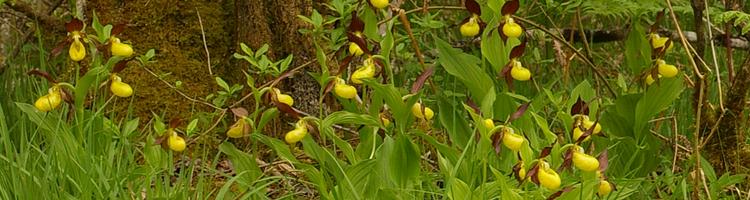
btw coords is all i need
(260, 61)
(227, 92)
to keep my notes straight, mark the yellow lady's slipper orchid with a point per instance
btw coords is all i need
(120, 88)
(237, 130)
(511, 29)
(120, 49)
(50, 101)
(296, 135)
(604, 188)
(650, 80)
(379, 4)
(589, 124)
(175, 142)
(355, 50)
(667, 70)
(584, 161)
(519, 72)
(344, 90)
(659, 42)
(471, 27)
(77, 51)
(283, 98)
(547, 177)
(488, 123)
(416, 109)
(367, 70)
(512, 140)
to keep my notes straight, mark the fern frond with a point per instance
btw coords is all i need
(739, 18)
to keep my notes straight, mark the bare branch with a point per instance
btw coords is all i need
(600, 36)
(45, 19)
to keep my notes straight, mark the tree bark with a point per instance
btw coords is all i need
(276, 23)
(729, 141)
(726, 149)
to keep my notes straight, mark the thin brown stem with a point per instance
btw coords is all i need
(713, 55)
(728, 5)
(700, 87)
(584, 38)
(423, 8)
(588, 62)
(203, 35)
(696, 138)
(683, 40)
(180, 92)
(414, 44)
(713, 130)
(215, 124)
(667, 140)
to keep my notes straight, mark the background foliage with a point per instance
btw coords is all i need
(376, 146)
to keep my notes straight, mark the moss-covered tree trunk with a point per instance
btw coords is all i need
(172, 27)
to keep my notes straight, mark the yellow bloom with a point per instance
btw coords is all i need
(119, 49)
(650, 80)
(667, 70)
(77, 51)
(379, 3)
(386, 121)
(589, 124)
(577, 133)
(344, 90)
(659, 42)
(511, 28)
(237, 130)
(120, 88)
(283, 98)
(50, 101)
(604, 188)
(296, 135)
(175, 142)
(365, 71)
(548, 178)
(488, 123)
(416, 109)
(470, 28)
(512, 140)
(584, 161)
(354, 49)
(519, 72)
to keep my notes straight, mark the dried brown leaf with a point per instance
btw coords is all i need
(517, 51)
(473, 7)
(43, 74)
(580, 107)
(510, 7)
(519, 112)
(117, 29)
(603, 161)
(421, 79)
(174, 123)
(74, 25)
(239, 112)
